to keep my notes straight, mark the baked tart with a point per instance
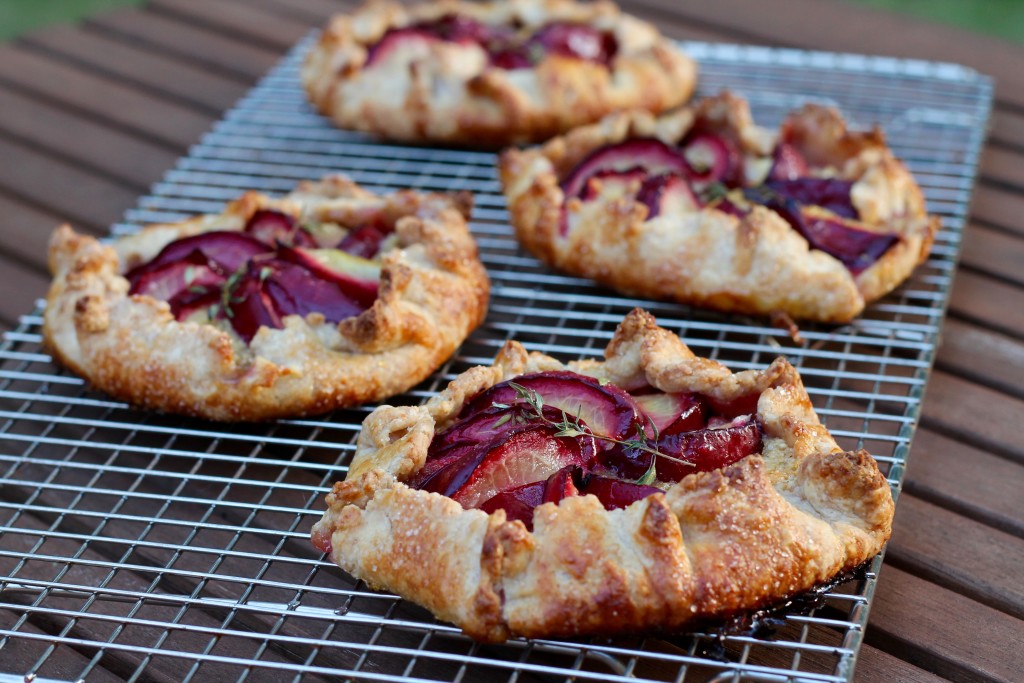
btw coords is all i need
(327, 298)
(651, 491)
(703, 207)
(490, 74)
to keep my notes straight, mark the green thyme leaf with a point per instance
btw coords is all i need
(569, 432)
(504, 418)
(190, 275)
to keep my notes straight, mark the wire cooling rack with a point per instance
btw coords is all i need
(150, 547)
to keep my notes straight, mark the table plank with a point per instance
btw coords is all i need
(81, 196)
(86, 144)
(994, 252)
(976, 414)
(967, 480)
(19, 288)
(943, 632)
(983, 356)
(143, 69)
(988, 302)
(998, 207)
(961, 554)
(160, 121)
(243, 61)
(245, 22)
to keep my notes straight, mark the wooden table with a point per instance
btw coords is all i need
(90, 116)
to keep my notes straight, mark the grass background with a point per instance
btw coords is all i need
(1000, 18)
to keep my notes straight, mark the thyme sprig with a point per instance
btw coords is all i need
(573, 426)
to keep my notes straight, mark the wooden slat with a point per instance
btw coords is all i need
(987, 301)
(309, 10)
(128, 159)
(32, 227)
(873, 665)
(243, 21)
(142, 68)
(161, 121)
(943, 632)
(19, 288)
(1007, 127)
(966, 556)
(198, 46)
(966, 480)
(975, 414)
(994, 252)
(1003, 165)
(63, 189)
(998, 207)
(983, 356)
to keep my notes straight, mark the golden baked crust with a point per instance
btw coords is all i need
(448, 92)
(741, 537)
(433, 292)
(756, 264)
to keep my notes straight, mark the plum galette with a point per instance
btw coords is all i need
(490, 74)
(703, 207)
(648, 491)
(330, 297)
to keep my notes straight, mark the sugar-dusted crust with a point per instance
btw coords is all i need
(747, 535)
(451, 94)
(433, 292)
(758, 264)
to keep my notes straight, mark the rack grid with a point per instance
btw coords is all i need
(143, 546)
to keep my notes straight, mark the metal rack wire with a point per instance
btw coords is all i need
(146, 547)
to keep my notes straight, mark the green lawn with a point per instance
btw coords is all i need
(1001, 18)
(18, 16)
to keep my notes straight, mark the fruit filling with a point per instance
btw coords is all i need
(276, 267)
(546, 436)
(708, 170)
(506, 47)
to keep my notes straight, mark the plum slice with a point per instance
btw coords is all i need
(295, 290)
(519, 503)
(220, 249)
(673, 413)
(857, 248)
(606, 409)
(826, 225)
(411, 40)
(363, 242)
(614, 493)
(711, 158)
(651, 154)
(667, 193)
(528, 456)
(575, 40)
(270, 226)
(247, 306)
(173, 280)
(787, 163)
(357, 278)
(829, 193)
(707, 449)
(732, 408)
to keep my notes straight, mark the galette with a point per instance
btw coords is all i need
(490, 74)
(653, 490)
(327, 298)
(703, 207)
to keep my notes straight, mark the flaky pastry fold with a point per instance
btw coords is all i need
(433, 293)
(716, 543)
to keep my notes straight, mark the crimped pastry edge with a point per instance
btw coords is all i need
(742, 537)
(758, 264)
(433, 293)
(454, 98)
